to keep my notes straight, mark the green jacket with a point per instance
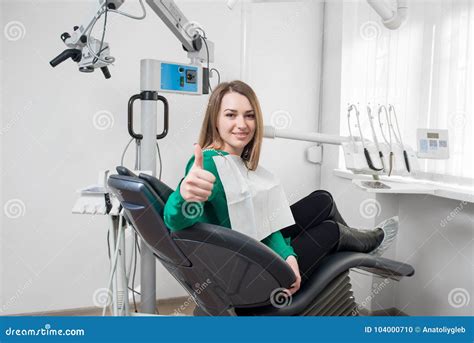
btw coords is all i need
(179, 215)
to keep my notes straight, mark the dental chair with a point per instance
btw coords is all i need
(228, 273)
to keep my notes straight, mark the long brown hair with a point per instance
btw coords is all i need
(209, 136)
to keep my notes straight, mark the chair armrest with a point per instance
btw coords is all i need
(241, 244)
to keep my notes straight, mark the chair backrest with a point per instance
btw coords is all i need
(220, 268)
(144, 209)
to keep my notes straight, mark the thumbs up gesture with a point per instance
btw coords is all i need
(197, 185)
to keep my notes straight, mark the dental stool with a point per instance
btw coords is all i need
(228, 273)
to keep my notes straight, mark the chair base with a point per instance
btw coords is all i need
(335, 300)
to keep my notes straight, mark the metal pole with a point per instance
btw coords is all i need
(271, 132)
(122, 273)
(113, 238)
(148, 162)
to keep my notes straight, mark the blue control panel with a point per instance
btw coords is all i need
(179, 78)
(433, 143)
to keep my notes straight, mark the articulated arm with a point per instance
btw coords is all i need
(391, 18)
(91, 53)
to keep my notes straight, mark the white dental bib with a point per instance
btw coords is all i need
(256, 201)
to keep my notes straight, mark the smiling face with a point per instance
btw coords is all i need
(236, 122)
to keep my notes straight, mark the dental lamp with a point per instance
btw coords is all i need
(91, 53)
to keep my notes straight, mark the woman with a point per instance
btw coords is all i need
(233, 125)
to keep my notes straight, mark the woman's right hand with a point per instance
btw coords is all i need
(197, 185)
(291, 260)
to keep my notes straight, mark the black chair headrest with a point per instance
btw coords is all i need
(121, 170)
(159, 187)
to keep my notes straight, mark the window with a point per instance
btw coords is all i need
(425, 69)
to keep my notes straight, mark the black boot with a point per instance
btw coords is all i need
(335, 215)
(351, 239)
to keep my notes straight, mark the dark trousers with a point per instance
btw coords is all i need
(315, 233)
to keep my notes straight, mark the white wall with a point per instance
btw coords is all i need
(438, 240)
(441, 255)
(284, 66)
(51, 147)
